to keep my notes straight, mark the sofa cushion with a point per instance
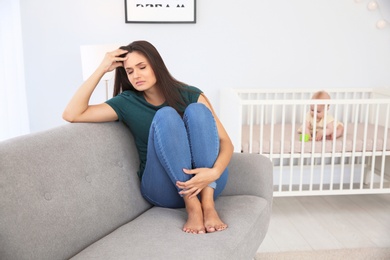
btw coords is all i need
(64, 188)
(158, 233)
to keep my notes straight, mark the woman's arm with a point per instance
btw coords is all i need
(226, 145)
(78, 109)
(205, 176)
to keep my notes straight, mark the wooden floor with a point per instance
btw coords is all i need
(328, 222)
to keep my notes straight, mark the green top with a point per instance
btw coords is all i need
(132, 109)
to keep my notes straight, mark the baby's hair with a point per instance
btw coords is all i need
(321, 95)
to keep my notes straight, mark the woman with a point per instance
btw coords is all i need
(184, 150)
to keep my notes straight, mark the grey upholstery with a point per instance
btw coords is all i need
(73, 192)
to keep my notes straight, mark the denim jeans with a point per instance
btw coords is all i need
(176, 143)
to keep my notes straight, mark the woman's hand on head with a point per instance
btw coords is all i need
(202, 178)
(112, 60)
(79, 109)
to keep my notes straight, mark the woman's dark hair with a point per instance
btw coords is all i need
(169, 86)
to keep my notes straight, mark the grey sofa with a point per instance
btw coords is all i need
(72, 192)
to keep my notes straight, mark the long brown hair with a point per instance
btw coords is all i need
(169, 86)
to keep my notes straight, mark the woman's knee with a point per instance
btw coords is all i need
(198, 111)
(166, 116)
(165, 113)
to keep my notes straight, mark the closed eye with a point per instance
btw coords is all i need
(140, 66)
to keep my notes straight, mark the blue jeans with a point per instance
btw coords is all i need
(176, 143)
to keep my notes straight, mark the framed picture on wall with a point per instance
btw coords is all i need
(160, 11)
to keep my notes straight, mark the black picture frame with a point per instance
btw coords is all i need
(160, 11)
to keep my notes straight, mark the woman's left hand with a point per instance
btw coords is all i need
(202, 178)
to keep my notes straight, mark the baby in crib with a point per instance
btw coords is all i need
(320, 126)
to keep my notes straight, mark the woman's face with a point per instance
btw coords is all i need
(139, 71)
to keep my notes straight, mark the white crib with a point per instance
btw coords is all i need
(266, 122)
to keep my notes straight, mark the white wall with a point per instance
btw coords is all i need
(263, 44)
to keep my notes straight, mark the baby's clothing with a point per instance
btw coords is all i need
(320, 124)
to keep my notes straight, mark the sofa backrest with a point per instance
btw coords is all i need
(64, 188)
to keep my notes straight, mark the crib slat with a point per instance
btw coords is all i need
(302, 149)
(282, 143)
(364, 148)
(294, 111)
(251, 129)
(332, 161)
(262, 128)
(323, 150)
(384, 147)
(374, 147)
(343, 152)
(355, 129)
(312, 158)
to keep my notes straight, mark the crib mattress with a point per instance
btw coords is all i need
(307, 147)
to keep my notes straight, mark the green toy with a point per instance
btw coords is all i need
(305, 139)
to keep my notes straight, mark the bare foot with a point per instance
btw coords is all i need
(212, 222)
(194, 222)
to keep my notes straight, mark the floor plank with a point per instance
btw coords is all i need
(366, 223)
(376, 206)
(328, 222)
(285, 237)
(307, 225)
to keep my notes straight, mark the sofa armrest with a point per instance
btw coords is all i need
(250, 174)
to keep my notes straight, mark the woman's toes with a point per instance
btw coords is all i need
(194, 231)
(210, 229)
(221, 227)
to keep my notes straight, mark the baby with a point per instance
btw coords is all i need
(320, 126)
